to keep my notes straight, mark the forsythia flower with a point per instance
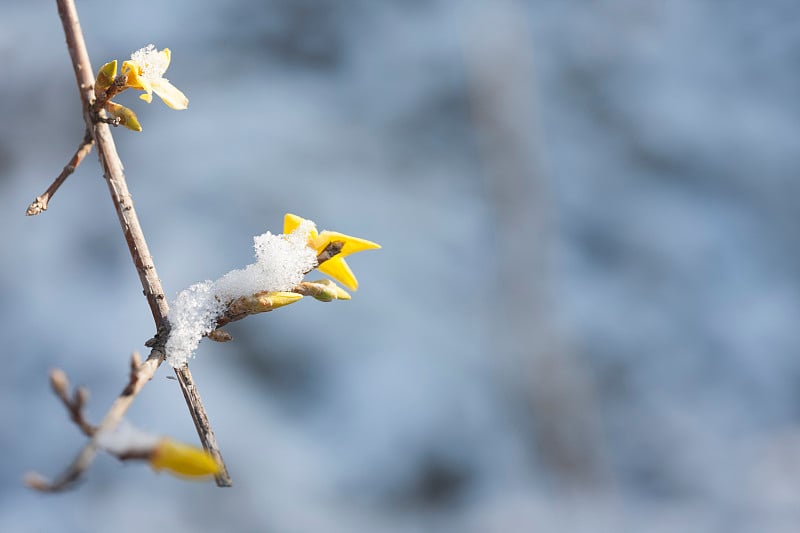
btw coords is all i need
(145, 71)
(182, 459)
(335, 267)
(163, 453)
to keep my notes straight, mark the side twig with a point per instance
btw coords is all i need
(74, 403)
(141, 375)
(40, 203)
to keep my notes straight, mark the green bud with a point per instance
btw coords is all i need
(126, 117)
(105, 77)
(323, 290)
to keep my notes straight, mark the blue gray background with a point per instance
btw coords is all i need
(584, 316)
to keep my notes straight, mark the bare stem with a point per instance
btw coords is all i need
(138, 378)
(40, 203)
(74, 403)
(196, 409)
(123, 203)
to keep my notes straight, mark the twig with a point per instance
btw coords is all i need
(201, 423)
(74, 404)
(330, 251)
(138, 378)
(123, 203)
(40, 203)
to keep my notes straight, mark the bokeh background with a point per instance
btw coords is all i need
(584, 316)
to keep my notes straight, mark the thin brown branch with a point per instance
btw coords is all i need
(74, 403)
(123, 203)
(330, 251)
(84, 459)
(207, 437)
(103, 97)
(40, 203)
(140, 374)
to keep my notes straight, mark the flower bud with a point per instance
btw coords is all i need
(182, 459)
(125, 116)
(105, 77)
(324, 290)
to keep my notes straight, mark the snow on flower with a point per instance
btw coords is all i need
(335, 267)
(281, 263)
(145, 71)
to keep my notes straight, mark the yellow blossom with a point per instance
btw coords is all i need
(145, 71)
(183, 459)
(335, 267)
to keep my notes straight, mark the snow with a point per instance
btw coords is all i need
(281, 263)
(126, 438)
(153, 63)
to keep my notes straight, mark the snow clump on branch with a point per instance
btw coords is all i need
(281, 263)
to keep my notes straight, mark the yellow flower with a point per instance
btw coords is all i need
(145, 71)
(182, 459)
(335, 267)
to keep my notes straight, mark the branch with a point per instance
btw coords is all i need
(74, 404)
(40, 203)
(265, 301)
(140, 374)
(123, 203)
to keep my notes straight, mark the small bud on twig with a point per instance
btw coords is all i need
(59, 382)
(220, 335)
(323, 290)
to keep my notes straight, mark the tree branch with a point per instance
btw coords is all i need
(143, 373)
(75, 403)
(123, 203)
(40, 203)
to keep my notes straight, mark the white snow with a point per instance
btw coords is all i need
(125, 438)
(281, 263)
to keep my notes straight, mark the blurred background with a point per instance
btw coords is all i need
(583, 318)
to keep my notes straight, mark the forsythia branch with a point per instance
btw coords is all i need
(123, 203)
(274, 280)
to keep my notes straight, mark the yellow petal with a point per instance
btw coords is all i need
(133, 71)
(167, 57)
(147, 97)
(351, 244)
(170, 94)
(292, 222)
(337, 268)
(183, 459)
